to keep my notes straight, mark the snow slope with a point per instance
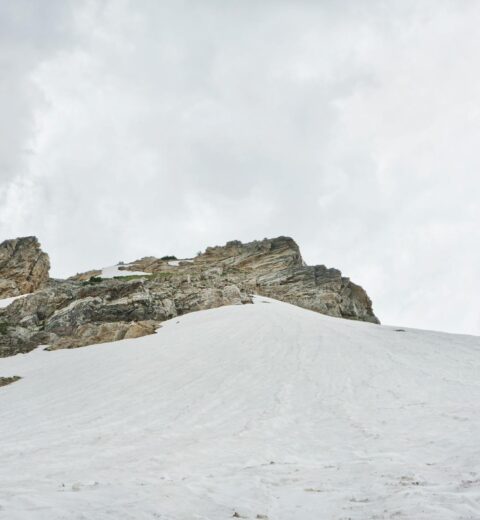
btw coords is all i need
(5, 302)
(264, 410)
(114, 270)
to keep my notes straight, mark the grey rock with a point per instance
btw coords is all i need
(4, 381)
(69, 314)
(73, 313)
(275, 268)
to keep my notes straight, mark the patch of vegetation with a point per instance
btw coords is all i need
(93, 280)
(4, 327)
(127, 277)
(162, 276)
(169, 257)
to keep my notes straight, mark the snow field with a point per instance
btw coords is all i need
(265, 410)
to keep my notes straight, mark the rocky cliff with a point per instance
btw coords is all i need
(70, 313)
(24, 267)
(83, 310)
(274, 268)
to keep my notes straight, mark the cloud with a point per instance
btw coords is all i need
(143, 127)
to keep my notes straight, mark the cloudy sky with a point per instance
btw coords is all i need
(131, 128)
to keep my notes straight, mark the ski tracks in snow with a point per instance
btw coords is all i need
(264, 411)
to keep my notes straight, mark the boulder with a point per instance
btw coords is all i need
(4, 381)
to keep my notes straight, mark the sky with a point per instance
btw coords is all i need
(153, 127)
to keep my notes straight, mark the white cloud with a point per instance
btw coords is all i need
(142, 127)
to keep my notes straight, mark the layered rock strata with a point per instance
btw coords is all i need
(24, 267)
(69, 314)
(274, 268)
(83, 311)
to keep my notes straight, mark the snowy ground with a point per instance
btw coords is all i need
(266, 410)
(5, 302)
(114, 270)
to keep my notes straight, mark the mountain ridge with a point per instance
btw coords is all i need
(132, 300)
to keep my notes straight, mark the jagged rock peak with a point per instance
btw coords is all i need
(269, 253)
(24, 267)
(274, 267)
(81, 311)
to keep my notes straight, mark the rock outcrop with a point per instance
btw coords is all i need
(4, 381)
(69, 314)
(275, 268)
(24, 267)
(82, 311)
(93, 333)
(84, 277)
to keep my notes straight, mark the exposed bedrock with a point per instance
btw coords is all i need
(24, 267)
(82, 311)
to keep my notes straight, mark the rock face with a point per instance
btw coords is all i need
(69, 313)
(92, 333)
(24, 267)
(79, 311)
(275, 268)
(4, 381)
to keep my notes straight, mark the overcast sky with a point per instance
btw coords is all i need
(133, 128)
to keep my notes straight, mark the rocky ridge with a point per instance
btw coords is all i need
(274, 268)
(87, 310)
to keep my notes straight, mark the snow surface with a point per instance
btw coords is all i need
(114, 270)
(264, 409)
(176, 263)
(5, 302)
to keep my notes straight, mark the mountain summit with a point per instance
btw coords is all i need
(275, 268)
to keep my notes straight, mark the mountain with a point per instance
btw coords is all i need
(274, 267)
(127, 301)
(261, 411)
